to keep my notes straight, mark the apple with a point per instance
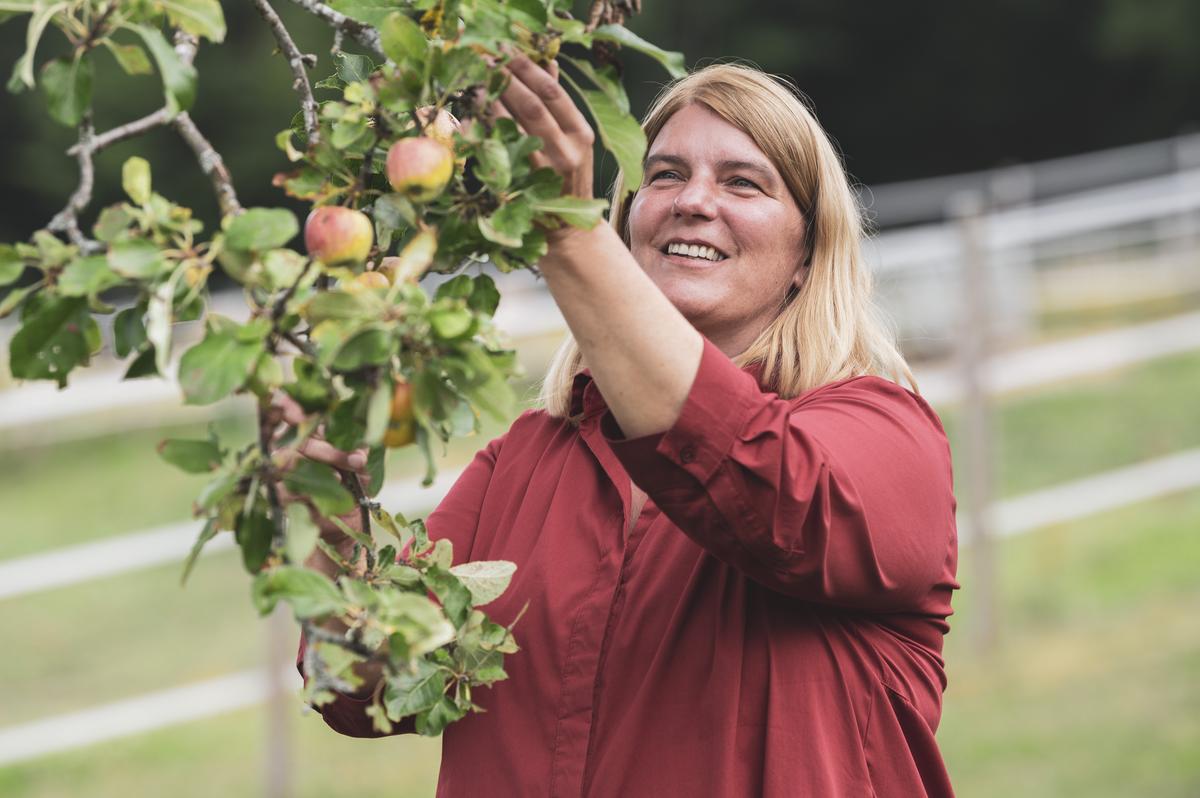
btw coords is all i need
(368, 281)
(419, 167)
(402, 427)
(333, 234)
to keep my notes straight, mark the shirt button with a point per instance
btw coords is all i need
(687, 454)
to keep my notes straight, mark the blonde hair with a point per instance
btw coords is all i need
(830, 328)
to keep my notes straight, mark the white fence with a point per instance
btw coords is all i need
(913, 266)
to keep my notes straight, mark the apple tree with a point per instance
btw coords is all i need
(408, 173)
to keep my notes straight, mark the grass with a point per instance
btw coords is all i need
(1094, 690)
(224, 756)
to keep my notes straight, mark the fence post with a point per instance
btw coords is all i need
(278, 765)
(966, 210)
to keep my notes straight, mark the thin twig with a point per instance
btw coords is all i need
(67, 220)
(126, 131)
(211, 164)
(363, 34)
(297, 61)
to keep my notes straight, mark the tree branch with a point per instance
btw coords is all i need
(363, 34)
(211, 164)
(125, 131)
(297, 61)
(67, 220)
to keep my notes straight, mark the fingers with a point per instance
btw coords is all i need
(541, 107)
(537, 93)
(314, 447)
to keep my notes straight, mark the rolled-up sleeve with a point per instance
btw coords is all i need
(843, 495)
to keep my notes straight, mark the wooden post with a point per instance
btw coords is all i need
(967, 212)
(281, 631)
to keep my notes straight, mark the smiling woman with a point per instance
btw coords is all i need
(734, 538)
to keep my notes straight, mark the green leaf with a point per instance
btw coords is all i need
(673, 62)
(402, 39)
(260, 229)
(492, 165)
(319, 483)
(621, 133)
(254, 533)
(309, 593)
(441, 715)
(375, 470)
(206, 534)
(371, 347)
(179, 79)
(352, 68)
(197, 17)
(129, 333)
(408, 693)
(604, 78)
(67, 85)
(12, 265)
(51, 342)
(485, 579)
(451, 322)
(112, 223)
(131, 57)
(23, 70)
(575, 211)
(191, 456)
(135, 179)
(378, 412)
(508, 225)
(372, 12)
(16, 296)
(216, 366)
(485, 298)
(451, 592)
(87, 277)
(137, 259)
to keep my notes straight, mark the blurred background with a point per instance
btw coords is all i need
(1031, 168)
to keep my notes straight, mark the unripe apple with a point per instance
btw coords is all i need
(402, 427)
(420, 167)
(368, 281)
(333, 234)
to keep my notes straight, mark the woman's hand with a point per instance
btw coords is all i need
(541, 107)
(317, 449)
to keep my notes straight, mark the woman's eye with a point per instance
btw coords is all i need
(664, 173)
(742, 182)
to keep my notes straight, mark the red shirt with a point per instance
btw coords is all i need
(772, 626)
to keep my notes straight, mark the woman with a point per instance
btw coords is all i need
(736, 539)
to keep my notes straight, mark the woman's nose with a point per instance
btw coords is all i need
(697, 197)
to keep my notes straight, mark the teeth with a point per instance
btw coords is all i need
(694, 251)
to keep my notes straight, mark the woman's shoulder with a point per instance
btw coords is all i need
(870, 392)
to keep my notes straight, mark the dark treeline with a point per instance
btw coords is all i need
(906, 89)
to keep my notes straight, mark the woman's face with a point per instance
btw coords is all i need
(708, 184)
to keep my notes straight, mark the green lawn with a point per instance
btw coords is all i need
(1094, 688)
(224, 756)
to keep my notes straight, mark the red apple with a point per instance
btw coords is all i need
(334, 234)
(419, 167)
